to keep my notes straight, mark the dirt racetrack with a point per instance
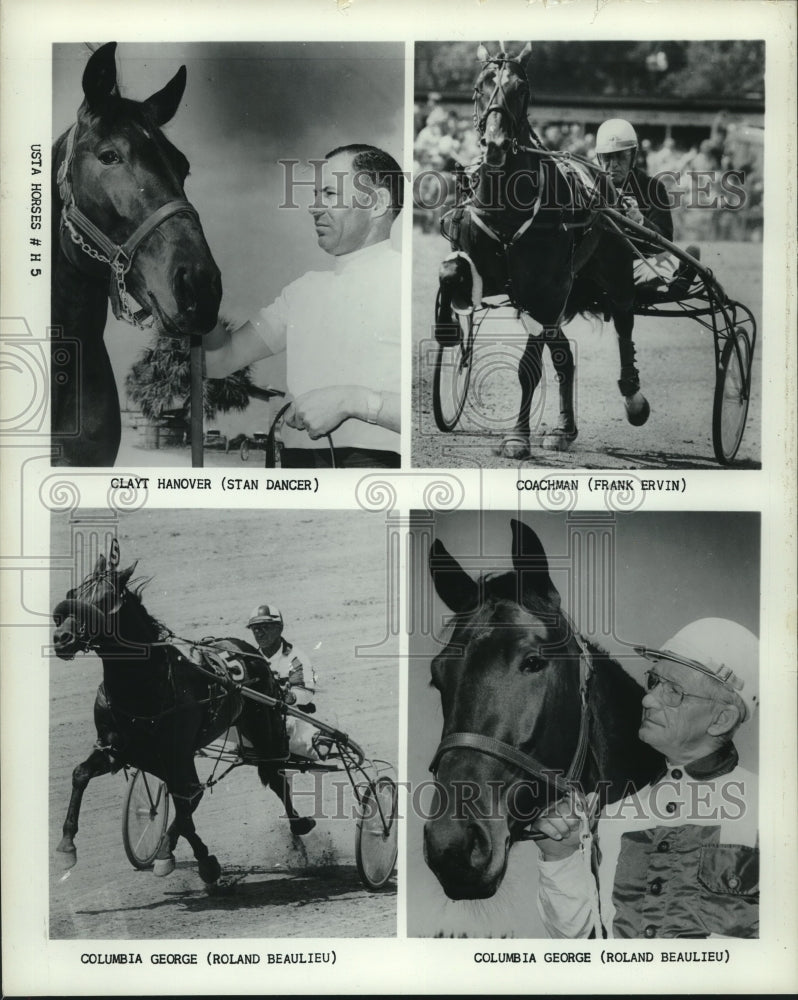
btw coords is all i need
(676, 362)
(327, 573)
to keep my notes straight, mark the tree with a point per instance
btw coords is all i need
(161, 380)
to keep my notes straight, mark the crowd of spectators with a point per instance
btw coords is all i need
(707, 207)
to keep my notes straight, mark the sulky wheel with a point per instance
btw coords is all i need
(375, 839)
(244, 450)
(144, 819)
(452, 375)
(732, 396)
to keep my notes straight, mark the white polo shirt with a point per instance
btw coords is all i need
(341, 327)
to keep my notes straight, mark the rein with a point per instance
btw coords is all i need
(96, 245)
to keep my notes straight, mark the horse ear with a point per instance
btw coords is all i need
(454, 586)
(482, 53)
(99, 77)
(531, 564)
(100, 565)
(126, 574)
(162, 106)
(525, 53)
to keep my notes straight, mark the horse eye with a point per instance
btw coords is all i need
(108, 157)
(531, 664)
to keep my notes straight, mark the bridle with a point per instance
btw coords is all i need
(520, 759)
(96, 245)
(497, 100)
(85, 642)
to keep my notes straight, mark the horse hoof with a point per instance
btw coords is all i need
(637, 409)
(514, 446)
(163, 866)
(209, 869)
(69, 856)
(302, 825)
(559, 439)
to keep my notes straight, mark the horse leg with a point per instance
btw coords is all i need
(564, 434)
(98, 763)
(455, 287)
(183, 826)
(516, 443)
(275, 779)
(637, 408)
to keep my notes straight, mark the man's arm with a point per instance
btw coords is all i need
(229, 351)
(564, 895)
(322, 410)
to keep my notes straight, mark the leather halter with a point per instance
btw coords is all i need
(95, 244)
(518, 758)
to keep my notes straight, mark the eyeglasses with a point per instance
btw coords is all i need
(672, 695)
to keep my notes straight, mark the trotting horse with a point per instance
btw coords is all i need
(531, 710)
(121, 227)
(530, 231)
(154, 709)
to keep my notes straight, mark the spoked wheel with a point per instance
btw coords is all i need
(732, 396)
(144, 819)
(375, 839)
(452, 376)
(245, 450)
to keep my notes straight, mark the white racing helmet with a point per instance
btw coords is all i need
(614, 135)
(265, 614)
(718, 648)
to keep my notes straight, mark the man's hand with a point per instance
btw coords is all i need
(560, 826)
(320, 411)
(632, 210)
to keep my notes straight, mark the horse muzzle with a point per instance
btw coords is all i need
(76, 622)
(468, 856)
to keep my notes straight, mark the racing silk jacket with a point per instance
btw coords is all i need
(679, 858)
(653, 201)
(293, 666)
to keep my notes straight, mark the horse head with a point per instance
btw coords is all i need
(501, 97)
(121, 182)
(89, 616)
(509, 679)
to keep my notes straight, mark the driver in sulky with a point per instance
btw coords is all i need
(644, 200)
(680, 857)
(293, 670)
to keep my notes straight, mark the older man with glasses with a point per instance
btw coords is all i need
(679, 858)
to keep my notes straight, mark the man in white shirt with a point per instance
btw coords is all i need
(678, 858)
(340, 328)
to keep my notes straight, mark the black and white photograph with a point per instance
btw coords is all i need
(583, 695)
(227, 211)
(223, 726)
(587, 253)
(496, 694)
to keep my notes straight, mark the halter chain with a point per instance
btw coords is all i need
(119, 257)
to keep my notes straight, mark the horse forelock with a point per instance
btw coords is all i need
(134, 122)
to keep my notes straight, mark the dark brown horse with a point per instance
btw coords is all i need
(531, 230)
(122, 228)
(155, 709)
(531, 711)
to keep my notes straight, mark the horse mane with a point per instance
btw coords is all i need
(134, 590)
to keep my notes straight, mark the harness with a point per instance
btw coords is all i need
(530, 765)
(96, 245)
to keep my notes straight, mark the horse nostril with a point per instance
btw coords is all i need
(479, 847)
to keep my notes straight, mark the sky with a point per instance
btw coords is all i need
(246, 107)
